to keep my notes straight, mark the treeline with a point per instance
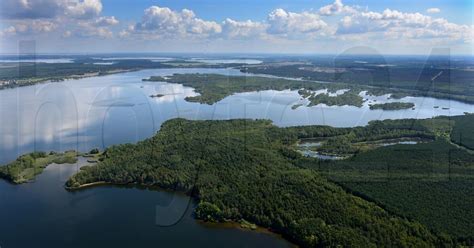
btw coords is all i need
(341, 140)
(451, 83)
(213, 88)
(392, 106)
(431, 182)
(350, 97)
(463, 131)
(242, 169)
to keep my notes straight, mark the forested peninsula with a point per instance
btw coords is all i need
(251, 170)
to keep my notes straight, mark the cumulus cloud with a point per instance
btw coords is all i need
(396, 24)
(281, 22)
(164, 22)
(352, 25)
(29, 28)
(72, 18)
(161, 22)
(336, 8)
(83, 9)
(99, 27)
(24, 9)
(433, 10)
(336, 21)
(243, 29)
(36, 9)
(106, 21)
(11, 30)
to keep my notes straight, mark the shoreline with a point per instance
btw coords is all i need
(231, 224)
(243, 225)
(88, 185)
(409, 93)
(67, 78)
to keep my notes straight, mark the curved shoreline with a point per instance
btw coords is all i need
(87, 185)
(228, 224)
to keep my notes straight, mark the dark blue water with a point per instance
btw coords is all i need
(44, 214)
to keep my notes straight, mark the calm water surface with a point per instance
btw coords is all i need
(44, 214)
(102, 111)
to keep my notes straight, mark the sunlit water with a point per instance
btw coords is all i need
(102, 111)
(48, 61)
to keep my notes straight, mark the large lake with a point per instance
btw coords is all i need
(44, 214)
(102, 111)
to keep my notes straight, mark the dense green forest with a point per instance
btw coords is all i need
(243, 169)
(438, 79)
(350, 97)
(430, 182)
(213, 88)
(29, 73)
(463, 131)
(392, 105)
(58, 71)
(27, 166)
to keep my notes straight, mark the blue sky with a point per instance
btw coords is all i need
(459, 11)
(271, 26)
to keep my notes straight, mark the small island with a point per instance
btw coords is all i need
(350, 98)
(296, 106)
(28, 166)
(392, 106)
(213, 88)
(157, 96)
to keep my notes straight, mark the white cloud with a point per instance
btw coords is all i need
(84, 9)
(433, 11)
(25, 9)
(336, 8)
(163, 22)
(72, 18)
(99, 27)
(29, 27)
(89, 29)
(36, 9)
(334, 23)
(281, 22)
(242, 29)
(393, 24)
(106, 21)
(11, 30)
